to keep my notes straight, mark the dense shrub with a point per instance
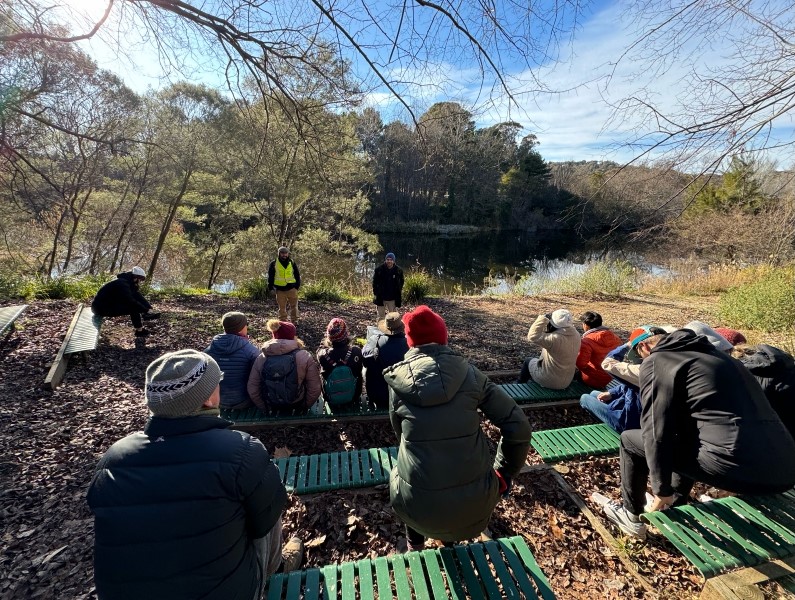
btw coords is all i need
(417, 286)
(323, 290)
(82, 288)
(766, 305)
(253, 289)
(10, 286)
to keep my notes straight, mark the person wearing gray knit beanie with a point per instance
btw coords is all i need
(187, 508)
(181, 383)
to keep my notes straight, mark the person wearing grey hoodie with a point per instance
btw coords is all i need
(235, 355)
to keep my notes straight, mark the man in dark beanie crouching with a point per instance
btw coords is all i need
(187, 508)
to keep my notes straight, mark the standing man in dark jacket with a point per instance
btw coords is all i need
(122, 297)
(235, 355)
(446, 482)
(381, 352)
(284, 277)
(187, 508)
(387, 286)
(704, 419)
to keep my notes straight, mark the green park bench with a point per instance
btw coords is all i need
(337, 470)
(8, 318)
(81, 337)
(527, 395)
(532, 393)
(568, 443)
(501, 568)
(731, 533)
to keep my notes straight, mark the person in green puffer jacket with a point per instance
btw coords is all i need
(446, 483)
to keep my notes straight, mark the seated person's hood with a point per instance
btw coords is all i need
(429, 375)
(683, 340)
(768, 361)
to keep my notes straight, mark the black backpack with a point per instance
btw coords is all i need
(279, 380)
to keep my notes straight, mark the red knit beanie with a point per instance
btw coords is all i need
(423, 326)
(286, 331)
(337, 330)
(732, 336)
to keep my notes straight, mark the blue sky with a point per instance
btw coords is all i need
(574, 123)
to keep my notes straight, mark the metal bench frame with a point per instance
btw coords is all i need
(8, 318)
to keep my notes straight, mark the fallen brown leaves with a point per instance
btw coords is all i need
(50, 443)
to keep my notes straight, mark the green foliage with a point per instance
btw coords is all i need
(765, 305)
(253, 289)
(739, 188)
(417, 285)
(79, 288)
(323, 290)
(10, 286)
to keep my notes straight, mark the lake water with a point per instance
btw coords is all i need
(472, 263)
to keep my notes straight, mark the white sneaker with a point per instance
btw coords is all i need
(626, 521)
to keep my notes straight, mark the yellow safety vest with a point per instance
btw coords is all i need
(283, 275)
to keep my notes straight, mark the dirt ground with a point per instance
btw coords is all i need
(50, 443)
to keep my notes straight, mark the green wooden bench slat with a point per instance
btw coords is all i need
(323, 475)
(300, 480)
(364, 460)
(508, 586)
(348, 571)
(575, 442)
(313, 474)
(276, 586)
(525, 584)
(382, 578)
(292, 469)
(345, 467)
(520, 546)
(9, 315)
(335, 479)
(356, 468)
(730, 532)
(473, 585)
(85, 334)
(365, 570)
(482, 565)
(431, 560)
(402, 588)
(417, 575)
(330, 581)
(294, 584)
(453, 576)
(281, 464)
(312, 585)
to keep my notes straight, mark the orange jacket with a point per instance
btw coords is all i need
(595, 345)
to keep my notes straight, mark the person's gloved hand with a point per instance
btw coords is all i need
(505, 483)
(548, 316)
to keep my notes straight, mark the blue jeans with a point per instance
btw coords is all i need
(601, 410)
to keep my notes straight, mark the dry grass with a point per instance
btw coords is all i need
(687, 278)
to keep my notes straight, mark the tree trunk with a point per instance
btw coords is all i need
(172, 212)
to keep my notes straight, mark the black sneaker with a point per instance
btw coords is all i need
(142, 333)
(150, 316)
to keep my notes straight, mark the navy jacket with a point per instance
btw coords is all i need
(176, 509)
(119, 297)
(381, 352)
(388, 285)
(235, 356)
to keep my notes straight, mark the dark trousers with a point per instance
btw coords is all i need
(524, 374)
(686, 471)
(417, 540)
(120, 311)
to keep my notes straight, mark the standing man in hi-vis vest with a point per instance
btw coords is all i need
(284, 277)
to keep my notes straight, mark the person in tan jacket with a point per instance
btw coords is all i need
(560, 345)
(285, 377)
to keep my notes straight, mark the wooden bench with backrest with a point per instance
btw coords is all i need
(501, 568)
(82, 336)
(8, 318)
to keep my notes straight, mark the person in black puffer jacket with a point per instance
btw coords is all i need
(235, 355)
(188, 508)
(381, 352)
(122, 297)
(774, 369)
